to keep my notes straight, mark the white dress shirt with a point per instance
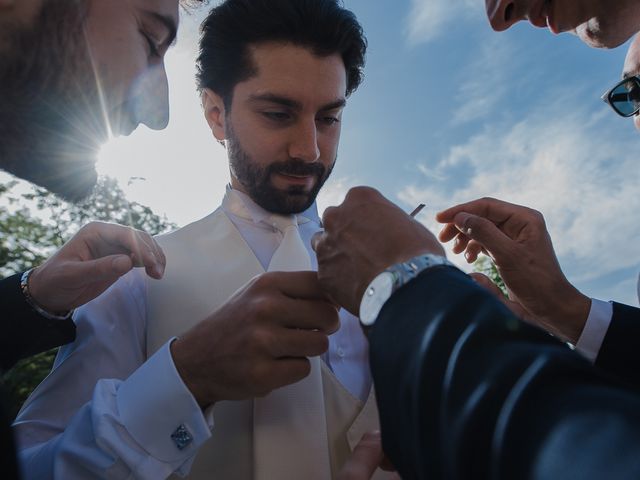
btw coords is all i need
(139, 420)
(595, 329)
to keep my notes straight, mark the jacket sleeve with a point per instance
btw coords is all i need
(24, 331)
(466, 390)
(618, 354)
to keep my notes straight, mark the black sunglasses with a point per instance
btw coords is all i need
(624, 98)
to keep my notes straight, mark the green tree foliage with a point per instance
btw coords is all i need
(486, 266)
(33, 225)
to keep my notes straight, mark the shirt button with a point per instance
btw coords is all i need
(340, 352)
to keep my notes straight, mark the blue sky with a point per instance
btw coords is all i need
(449, 111)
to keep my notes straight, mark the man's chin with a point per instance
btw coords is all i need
(597, 34)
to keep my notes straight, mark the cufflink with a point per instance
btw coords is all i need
(181, 437)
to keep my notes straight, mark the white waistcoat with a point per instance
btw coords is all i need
(207, 262)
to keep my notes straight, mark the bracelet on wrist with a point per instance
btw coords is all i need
(24, 286)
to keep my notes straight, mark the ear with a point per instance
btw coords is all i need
(214, 112)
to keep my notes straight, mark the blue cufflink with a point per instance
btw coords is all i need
(181, 437)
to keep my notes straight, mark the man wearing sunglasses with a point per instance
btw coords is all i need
(465, 388)
(624, 97)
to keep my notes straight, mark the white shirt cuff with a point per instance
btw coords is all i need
(159, 411)
(595, 329)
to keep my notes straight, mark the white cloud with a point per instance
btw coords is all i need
(486, 80)
(334, 191)
(579, 170)
(430, 18)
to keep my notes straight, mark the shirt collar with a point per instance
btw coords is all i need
(240, 204)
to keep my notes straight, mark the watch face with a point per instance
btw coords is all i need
(377, 293)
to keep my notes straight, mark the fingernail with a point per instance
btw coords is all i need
(468, 256)
(158, 270)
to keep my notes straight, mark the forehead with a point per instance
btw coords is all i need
(119, 9)
(295, 72)
(632, 61)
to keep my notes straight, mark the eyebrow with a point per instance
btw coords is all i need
(167, 22)
(294, 104)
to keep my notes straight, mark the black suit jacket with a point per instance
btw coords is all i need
(24, 333)
(619, 352)
(466, 390)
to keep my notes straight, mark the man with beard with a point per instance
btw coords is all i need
(465, 388)
(275, 76)
(72, 73)
(63, 94)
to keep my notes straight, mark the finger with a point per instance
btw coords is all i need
(492, 209)
(112, 238)
(487, 234)
(287, 342)
(296, 285)
(159, 254)
(147, 254)
(448, 233)
(307, 315)
(473, 249)
(364, 460)
(330, 217)
(460, 243)
(317, 238)
(105, 270)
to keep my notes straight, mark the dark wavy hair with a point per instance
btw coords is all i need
(323, 26)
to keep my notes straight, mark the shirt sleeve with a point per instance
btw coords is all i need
(595, 329)
(106, 412)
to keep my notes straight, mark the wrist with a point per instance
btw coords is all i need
(384, 285)
(188, 373)
(575, 313)
(30, 290)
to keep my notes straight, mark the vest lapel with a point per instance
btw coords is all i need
(207, 262)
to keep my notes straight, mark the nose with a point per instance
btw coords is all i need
(304, 142)
(151, 98)
(503, 13)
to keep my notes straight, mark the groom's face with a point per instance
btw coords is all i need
(282, 127)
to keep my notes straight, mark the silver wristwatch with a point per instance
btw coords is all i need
(386, 283)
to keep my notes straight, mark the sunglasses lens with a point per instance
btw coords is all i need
(625, 98)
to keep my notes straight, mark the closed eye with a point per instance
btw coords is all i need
(329, 120)
(277, 116)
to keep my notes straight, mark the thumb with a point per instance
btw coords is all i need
(364, 460)
(486, 233)
(110, 267)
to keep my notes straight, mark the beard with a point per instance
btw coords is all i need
(256, 179)
(51, 126)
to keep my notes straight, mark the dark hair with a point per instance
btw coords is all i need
(323, 26)
(190, 4)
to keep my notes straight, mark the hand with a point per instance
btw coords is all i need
(91, 262)
(361, 238)
(366, 458)
(517, 239)
(259, 340)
